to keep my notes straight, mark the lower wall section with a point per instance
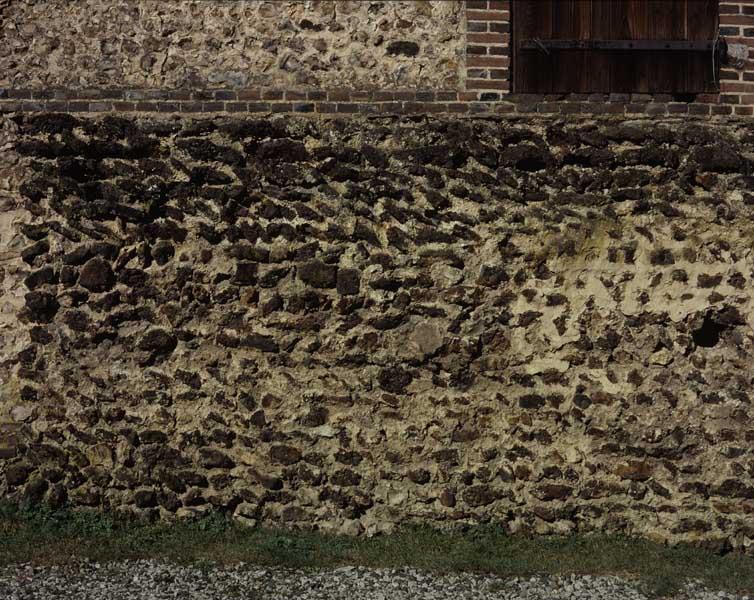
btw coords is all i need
(356, 323)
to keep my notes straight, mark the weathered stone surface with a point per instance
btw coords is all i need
(318, 274)
(158, 340)
(376, 319)
(96, 275)
(160, 44)
(348, 282)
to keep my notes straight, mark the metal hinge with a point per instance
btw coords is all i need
(654, 45)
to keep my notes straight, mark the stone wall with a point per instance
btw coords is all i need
(329, 57)
(236, 44)
(355, 323)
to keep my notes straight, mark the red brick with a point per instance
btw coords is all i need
(486, 84)
(710, 98)
(168, 107)
(291, 95)
(743, 110)
(147, 106)
(488, 38)
(477, 73)
(503, 108)
(548, 107)
(476, 50)
(272, 95)
(406, 95)
(500, 27)
(249, 95)
(500, 5)
(737, 20)
(179, 95)
(191, 107)
(457, 107)
(480, 107)
(487, 15)
(338, 95)
(632, 107)
(281, 107)
(729, 75)
(729, 9)
(727, 86)
(368, 108)
(699, 109)
(477, 26)
(195, 95)
(477, 4)
(487, 61)
(613, 108)
(259, 107)
(721, 109)
(499, 74)
(425, 96)
(570, 108)
(433, 108)
(389, 107)
(347, 107)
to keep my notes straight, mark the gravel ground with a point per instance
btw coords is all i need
(155, 580)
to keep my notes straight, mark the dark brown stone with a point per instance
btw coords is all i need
(634, 470)
(479, 495)
(348, 281)
(160, 341)
(394, 380)
(552, 491)
(285, 455)
(318, 274)
(96, 275)
(211, 458)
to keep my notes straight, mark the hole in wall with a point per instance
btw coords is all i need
(714, 325)
(708, 334)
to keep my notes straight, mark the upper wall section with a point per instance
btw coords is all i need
(235, 44)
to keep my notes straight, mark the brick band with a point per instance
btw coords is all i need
(361, 101)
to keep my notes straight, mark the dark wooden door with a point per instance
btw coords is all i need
(558, 70)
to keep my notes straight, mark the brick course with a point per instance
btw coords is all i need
(492, 99)
(737, 85)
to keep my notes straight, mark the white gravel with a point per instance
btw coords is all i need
(155, 580)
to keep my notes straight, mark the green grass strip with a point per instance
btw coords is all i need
(47, 537)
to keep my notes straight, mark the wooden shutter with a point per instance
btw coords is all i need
(589, 69)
